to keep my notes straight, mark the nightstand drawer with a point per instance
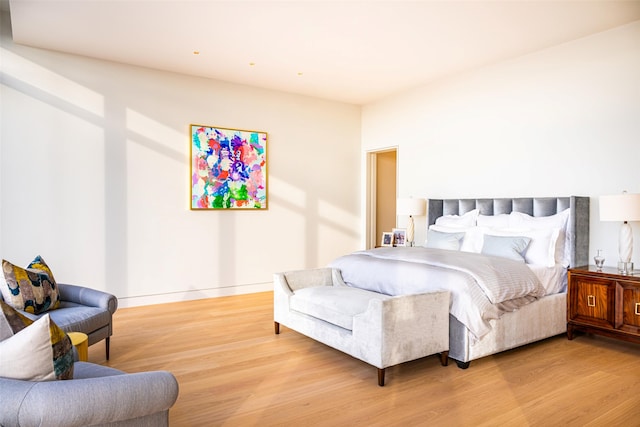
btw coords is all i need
(592, 301)
(630, 308)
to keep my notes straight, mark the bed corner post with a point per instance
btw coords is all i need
(580, 212)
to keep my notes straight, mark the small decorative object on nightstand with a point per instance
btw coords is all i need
(599, 259)
(605, 302)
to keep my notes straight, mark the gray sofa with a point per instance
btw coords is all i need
(97, 396)
(84, 310)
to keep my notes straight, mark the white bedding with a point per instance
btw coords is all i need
(553, 279)
(482, 287)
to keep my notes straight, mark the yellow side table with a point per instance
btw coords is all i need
(81, 343)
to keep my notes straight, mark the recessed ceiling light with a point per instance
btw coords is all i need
(299, 73)
(251, 64)
(196, 52)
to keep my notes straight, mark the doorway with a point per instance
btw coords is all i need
(381, 194)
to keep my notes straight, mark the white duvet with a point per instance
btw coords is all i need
(482, 287)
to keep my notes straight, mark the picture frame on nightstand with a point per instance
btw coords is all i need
(387, 239)
(399, 237)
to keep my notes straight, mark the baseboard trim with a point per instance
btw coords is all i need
(193, 295)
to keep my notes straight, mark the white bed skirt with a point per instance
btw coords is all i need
(542, 319)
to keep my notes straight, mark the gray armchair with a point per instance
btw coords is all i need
(84, 310)
(97, 396)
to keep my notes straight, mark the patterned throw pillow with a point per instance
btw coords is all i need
(33, 289)
(33, 350)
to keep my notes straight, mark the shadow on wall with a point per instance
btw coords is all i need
(116, 181)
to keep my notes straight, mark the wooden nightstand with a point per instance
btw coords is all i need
(604, 302)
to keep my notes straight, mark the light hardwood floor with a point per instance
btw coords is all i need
(234, 371)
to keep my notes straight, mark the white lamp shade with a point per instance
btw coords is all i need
(620, 207)
(410, 206)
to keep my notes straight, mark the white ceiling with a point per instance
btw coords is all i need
(350, 51)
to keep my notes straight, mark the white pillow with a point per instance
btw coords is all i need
(27, 354)
(542, 246)
(519, 219)
(510, 247)
(462, 221)
(560, 220)
(441, 240)
(472, 241)
(493, 221)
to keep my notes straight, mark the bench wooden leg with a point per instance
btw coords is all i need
(444, 358)
(381, 377)
(276, 326)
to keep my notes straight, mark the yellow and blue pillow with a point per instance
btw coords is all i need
(32, 289)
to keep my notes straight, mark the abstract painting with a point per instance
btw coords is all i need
(228, 168)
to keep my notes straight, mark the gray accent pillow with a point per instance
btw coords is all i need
(440, 240)
(511, 247)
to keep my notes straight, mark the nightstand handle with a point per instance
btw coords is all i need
(591, 301)
(638, 308)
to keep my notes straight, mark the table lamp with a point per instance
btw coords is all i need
(622, 207)
(411, 207)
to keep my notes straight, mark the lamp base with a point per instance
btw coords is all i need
(625, 268)
(410, 231)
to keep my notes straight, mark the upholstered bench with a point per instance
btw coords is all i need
(378, 329)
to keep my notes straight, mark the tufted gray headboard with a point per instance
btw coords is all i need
(578, 227)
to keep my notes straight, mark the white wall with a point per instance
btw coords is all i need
(95, 178)
(94, 169)
(562, 121)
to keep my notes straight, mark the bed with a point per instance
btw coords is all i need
(487, 317)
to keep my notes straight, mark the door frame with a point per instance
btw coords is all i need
(371, 202)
